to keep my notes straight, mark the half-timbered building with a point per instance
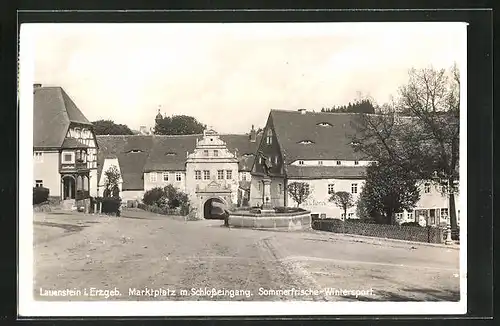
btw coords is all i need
(64, 146)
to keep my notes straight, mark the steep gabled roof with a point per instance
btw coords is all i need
(315, 135)
(132, 152)
(53, 111)
(169, 153)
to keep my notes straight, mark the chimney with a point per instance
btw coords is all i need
(253, 135)
(302, 111)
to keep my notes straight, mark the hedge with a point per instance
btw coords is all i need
(40, 195)
(109, 205)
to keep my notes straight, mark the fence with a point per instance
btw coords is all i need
(410, 233)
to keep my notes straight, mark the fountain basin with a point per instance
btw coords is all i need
(270, 219)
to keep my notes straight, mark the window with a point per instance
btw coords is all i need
(320, 162)
(279, 187)
(38, 156)
(342, 216)
(197, 175)
(399, 216)
(269, 137)
(301, 162)
(178, 176)
(229, 174)
(152, 176)
(350, 215)
(331, 188)
(68, 158)
(339, 162)
(427, 188)
(165, 176)
(260, 159)
(206, 175)
(220, 174)
(409, 215)
(39, 183)
(444, 213)
(205, 152)
(216, 152)
(324, 124)
(356, 162)
(244, 176)
(354, 188)
(258, 186)
(276, 160)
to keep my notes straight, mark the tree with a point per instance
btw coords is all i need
(361, 105)
(419, 130)
(343, 200)
(111, 183)
(108, 127)
(299, 191)
(178, 125)
(388, 189)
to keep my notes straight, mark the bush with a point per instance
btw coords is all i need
(153, 196)
(111, 205)
(108, 205)
(410, 224)
(40, 195)
(288, 209)
(169, 200)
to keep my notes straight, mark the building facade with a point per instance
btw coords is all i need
(316, 149)
(64, 146)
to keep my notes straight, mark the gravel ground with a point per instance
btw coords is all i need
(144, 256)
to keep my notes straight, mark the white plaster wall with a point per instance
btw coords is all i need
(318, 201)
(93, 182)
(160, 182)
(132, 195)
(47, 170)
(330, 163)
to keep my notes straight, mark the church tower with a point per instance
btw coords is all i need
(158, 119)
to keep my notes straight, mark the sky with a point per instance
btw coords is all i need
(229, 76)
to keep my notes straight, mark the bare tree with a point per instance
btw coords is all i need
(343, 200)
(299, 191)
(419, 130)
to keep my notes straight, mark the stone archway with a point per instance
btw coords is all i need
(69, 187)
(213, 208)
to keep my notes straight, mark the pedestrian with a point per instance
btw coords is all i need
(226, 218)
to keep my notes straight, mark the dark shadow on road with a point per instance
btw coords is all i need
(66, 227)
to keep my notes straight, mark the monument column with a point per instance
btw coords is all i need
(266, 200)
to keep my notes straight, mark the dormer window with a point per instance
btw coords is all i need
(325, 124)
(135, 151)
(355, 143)
(170, 154)
(205, 152)
(306, 142)
(269, 137)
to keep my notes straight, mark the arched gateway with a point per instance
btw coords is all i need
(214, 208)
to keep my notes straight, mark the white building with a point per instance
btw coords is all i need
(315, 148)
